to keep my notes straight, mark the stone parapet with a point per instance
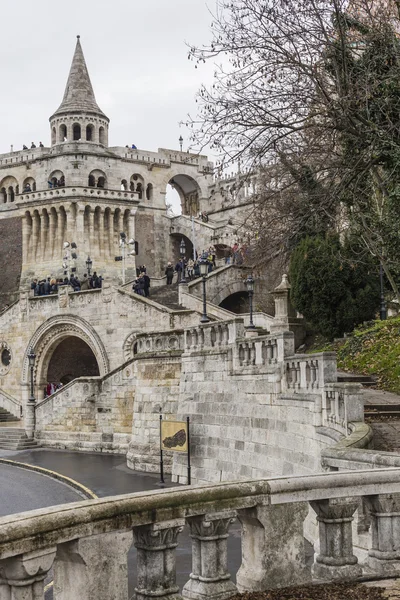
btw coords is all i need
(271, 511)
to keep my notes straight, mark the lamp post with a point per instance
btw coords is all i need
(250, 288)
(383, 311)
(123, 244)
(203, 264)
(181, 142)
(182, 252)
(89, 263)
(30, 407)
(69, 255)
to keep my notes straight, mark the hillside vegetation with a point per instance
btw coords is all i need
(373, 349)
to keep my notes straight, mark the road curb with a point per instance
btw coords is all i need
(88, 493)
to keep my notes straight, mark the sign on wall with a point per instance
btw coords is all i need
(174, 436)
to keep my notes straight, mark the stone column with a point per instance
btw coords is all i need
(22, 577)
(156, 561)
(52, 233)
(336, 559)
(273, 553)
(384, 555)
(26, 238)
(94, 568)
(209, 579)
(102, 244)
(112, 248)
(35, 234)
(92, 234)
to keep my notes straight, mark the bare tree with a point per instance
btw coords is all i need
(309, 92)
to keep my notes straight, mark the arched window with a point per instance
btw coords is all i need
(11, 194)
(29, 185)
(53, 136)
(89, 133)
(3, 195)
(149, 192)
(139, 190)
(63, 133)
(92, 181)
(102, 136)
(101, 182)
(124, 185)
(76, 132)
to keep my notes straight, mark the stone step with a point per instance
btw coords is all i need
(18, 446)
(365, 380)
(167, 295)
(8, 417)
(14, 438)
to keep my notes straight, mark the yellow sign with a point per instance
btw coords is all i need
(174, 436)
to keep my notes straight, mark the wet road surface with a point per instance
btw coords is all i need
(105, 475)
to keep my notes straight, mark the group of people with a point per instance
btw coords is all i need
(141, 284)
(52, 388)
(190, 268)
(33, 145)
(56, 183)
(50, 285)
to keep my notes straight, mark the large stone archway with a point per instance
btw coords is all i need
(49, 336)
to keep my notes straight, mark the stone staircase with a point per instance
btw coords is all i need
(7, 417)
(365, 380)
(167, 295)
(14, 438)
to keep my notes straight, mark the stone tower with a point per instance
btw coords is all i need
(79, 117)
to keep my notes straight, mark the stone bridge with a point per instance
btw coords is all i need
(205, 234)
(221, 283)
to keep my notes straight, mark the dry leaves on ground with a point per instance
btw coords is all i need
(340, 591)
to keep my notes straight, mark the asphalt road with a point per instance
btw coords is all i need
(22, 490)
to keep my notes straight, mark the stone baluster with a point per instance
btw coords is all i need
(156, 560)
(94, 568)
(336, 559)
(272, 547)
(252, 353)
(22, 577)
(384, 555)
(209, 578)
(298, 378)
(314, 373)
(207, 339)
(270, 352)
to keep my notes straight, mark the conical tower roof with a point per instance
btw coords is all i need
(79, 95)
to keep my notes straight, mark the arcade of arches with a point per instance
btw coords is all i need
(72, 358)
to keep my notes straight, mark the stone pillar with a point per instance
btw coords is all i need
(30, 419)
(209, 579)
(336, 559)
(92, 234)
(102, 244)
(35, 234)
(22, 577)
(384, 555)
(52, 233)
(94, 568)
(273, 553)
(156, 561)
(112, 248)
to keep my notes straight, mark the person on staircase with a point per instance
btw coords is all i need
(169, 272)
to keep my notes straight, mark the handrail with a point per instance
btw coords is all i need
(37, 529)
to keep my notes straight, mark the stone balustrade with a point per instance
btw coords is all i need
(310, 372)
(77, 192)
(213, 335)
(73, 538)
(162, 341)
(263, 351)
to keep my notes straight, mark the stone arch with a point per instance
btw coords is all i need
(176, 239)
(89, 132)
(97, 178)
(3, 195)
(76, 132)
(29, 185)
(222, 294)
(137, 184)
(11, 188)
(62, 133)
(49, 335)
(102, 136)
(130, 346)
(57, 179)
(189, 192)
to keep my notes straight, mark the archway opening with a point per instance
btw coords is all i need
(63, 133)
(89, 133)
(237, 303)
(187, 190)
(72, 358)
(102, 136)
(76, 132)
(176, 242)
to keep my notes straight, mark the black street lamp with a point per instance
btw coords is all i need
(250, 288)
(182, 252)
(203, 264)
(89, 263)
(383, 311)
(31, 359)
(181, 142)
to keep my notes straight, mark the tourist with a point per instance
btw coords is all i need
(47, 287)
(33, 145)
(84, 283)
(24, 147)
(179, 269)
(41, 145)
(146, 283)
(27, 188)
(94, 280)
(53, 286)
(169, 272)
(190, 268)
(138, 286)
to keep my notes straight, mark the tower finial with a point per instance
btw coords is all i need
(78, 36)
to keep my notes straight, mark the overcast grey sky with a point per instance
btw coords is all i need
(136, 55)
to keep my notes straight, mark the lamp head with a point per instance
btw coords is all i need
(31, 357)
(250, 283)
(203, 264)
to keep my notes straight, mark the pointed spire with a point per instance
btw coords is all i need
(79, 95)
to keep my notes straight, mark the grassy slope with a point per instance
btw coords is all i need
(373, 349)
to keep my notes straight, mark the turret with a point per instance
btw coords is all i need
(79, 117)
